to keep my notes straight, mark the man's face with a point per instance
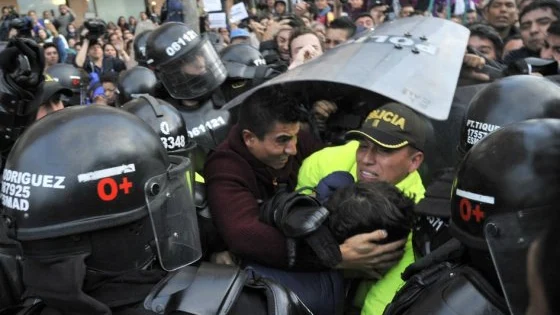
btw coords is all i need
(513, 44)
(196, 67)
(538, 304)
(63, 9)
(51, 56)
(533, 27)
(335, 37)
(270, 3)
(471, 17)
(304, 40)
(356, 4)
(378, 14)
(143, 16)
(283, 42)
(365, 21)
(280, 7)
(406, 11)
(501, 13)
(484, 45)
(44, 110)
(95, 51)
(277, 145)
(551, 48)
(375, 163)
(321, 4)
(110, 90)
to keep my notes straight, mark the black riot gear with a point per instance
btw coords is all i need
(185, 62)
(71, 78)
(505, 191)
(138, 80)
(166, 121)
(92, 220)
(503, 195)
(139, 46)
(496, 105)
(246, 69)
(508, 100)
(126, 177)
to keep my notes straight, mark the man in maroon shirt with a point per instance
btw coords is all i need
(264, 150)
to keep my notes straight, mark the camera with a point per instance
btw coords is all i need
(96, 28)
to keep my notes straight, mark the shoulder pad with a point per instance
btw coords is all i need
(207, 290)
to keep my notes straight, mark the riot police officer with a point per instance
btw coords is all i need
(139, 46)
(246, 68)
(21, 79)
(500, 103)
(109, 228)
(191, 72)
(138, 80)
(168, 123)
(503, 194)
(71, 78)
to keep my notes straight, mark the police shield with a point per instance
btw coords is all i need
(415, 61)
(509, 236)
(173, 215)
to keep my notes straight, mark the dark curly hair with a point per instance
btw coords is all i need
(365, 207)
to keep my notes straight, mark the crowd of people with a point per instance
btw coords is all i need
(125, 161)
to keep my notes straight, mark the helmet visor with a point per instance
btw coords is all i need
(197, 73)
(508, 237)
(173, 215)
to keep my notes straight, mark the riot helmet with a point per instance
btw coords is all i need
(186, 63)
(85, 193)
(504, 191)
(505, 101)
(138, 80)
(246, 68)
(71, 78)
(139, 47)
(165, 120)
(508, 100)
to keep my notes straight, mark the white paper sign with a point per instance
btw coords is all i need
(212, 5)
(217, 20)
(238, 12)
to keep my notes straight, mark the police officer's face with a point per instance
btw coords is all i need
(484, 45)
(196, 67)
(276, 146)
(551, 48)
(375, 163)
(533, 27)
(501, 13)
(46, 109)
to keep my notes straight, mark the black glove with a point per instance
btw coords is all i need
(300, 217)
(23, 62)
